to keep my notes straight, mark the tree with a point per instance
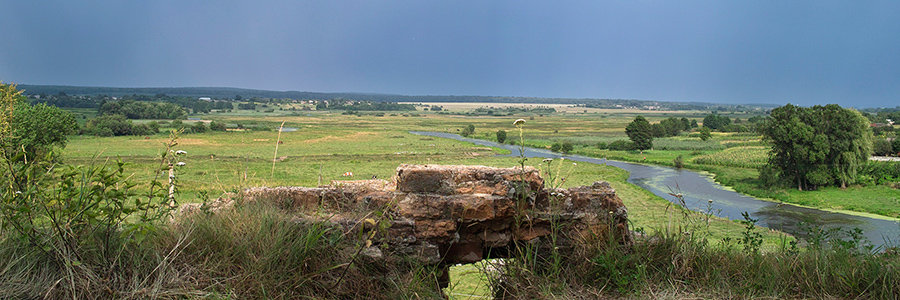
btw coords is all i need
(501, 136)
(685, 124)
(37, 128)
(109, 125)
(817, 146)
(716, 122)
(694, 124)
(705, 133)
(849, 140)
(640, 133)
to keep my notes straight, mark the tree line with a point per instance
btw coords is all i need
(62, 99)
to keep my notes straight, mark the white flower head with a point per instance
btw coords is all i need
(180, 152)
(180, 164)
(519, 122)
(546, 160)
(574, 164)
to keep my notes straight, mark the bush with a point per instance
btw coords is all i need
(109, 125)
(566, 147)
(555, 147)
(217, 126)
(501, 136)
(621, 145)
(199, 127)
(896, 145)
(678, 162)
(468, 130)
(37, 128)
(882, 147)
(602, 145)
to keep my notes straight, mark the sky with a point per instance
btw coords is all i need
(801, 52)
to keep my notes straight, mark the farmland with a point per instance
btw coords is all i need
(321, 146)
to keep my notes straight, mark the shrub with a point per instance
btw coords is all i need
(468, 130)
(601, 145)
(678, 162)
(109, 125)
(37, 128)
(199, 127)
(217, 126)
(896, 145)
(705, 133)
(621, 145)
(501, 136)
(556, 147)
(566, 147)
(882, 147)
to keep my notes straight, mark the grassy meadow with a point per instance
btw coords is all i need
(322, 146)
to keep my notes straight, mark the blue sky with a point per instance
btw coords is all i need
(803, 52)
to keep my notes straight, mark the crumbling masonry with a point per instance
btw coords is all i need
(446, 215)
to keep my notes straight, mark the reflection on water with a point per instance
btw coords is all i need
(698, 189)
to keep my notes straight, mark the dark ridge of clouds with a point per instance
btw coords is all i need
(808, 52)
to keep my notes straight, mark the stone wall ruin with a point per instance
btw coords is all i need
(446, 215)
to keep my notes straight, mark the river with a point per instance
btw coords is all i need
(697, 189)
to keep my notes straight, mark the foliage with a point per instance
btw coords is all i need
(564, 147)
(117, 125)
(468, 130)
(716, 122)
(705, 133)
(199, 127)
(640, 133)
(622, 145)
(818, 145)
(35, 129)
(501, 136)
(882, 147)
(678, 162)
(339, 104)
(142, 110)
(217, 126)
(75, 219)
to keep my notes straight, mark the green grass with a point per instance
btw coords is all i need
(879, 199)
(741, 157)
(328, 145)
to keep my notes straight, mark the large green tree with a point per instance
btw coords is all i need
(640, 132)
(817, 146)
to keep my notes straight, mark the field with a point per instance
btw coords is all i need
(326, 145)
(322, 146)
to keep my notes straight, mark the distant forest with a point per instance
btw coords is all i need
(221, 93)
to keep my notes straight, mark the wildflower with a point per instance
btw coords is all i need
(710, 200)
(547, 160)
(180, 164)
(180, 152)
(519, 122)
(574, 164)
